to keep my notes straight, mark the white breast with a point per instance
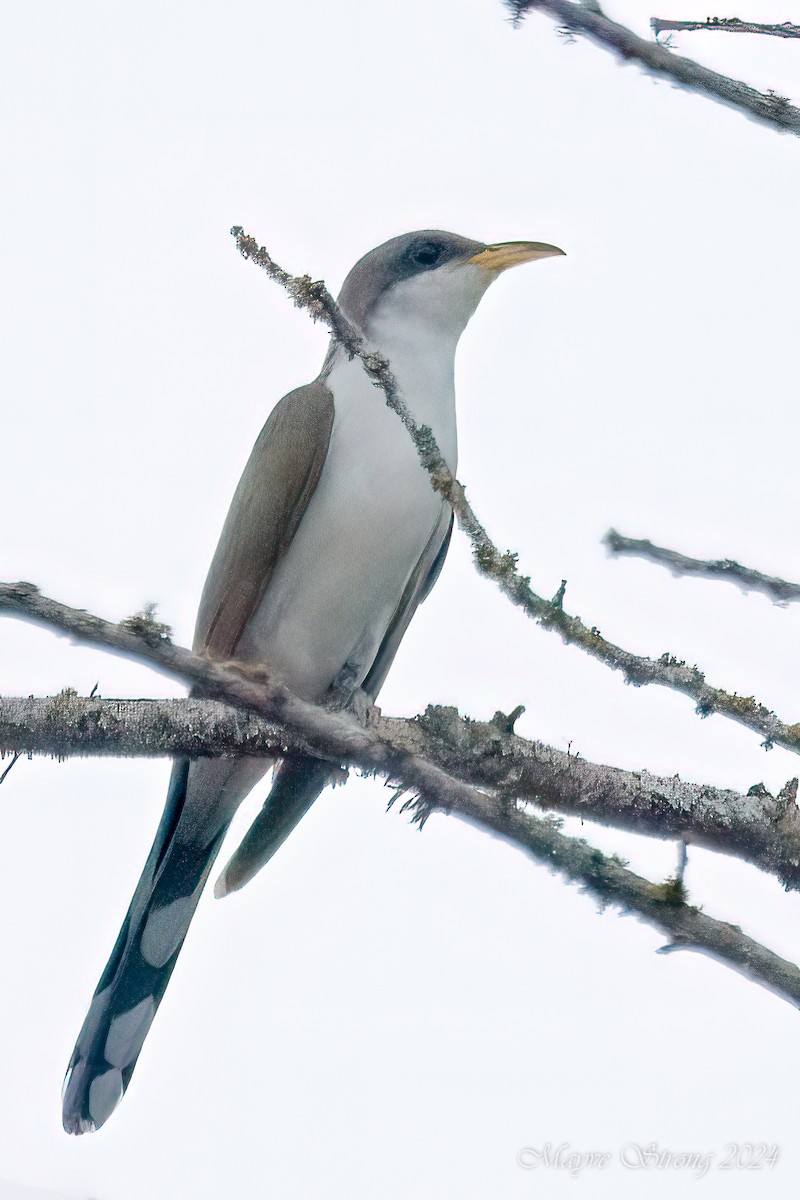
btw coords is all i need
(369, 521)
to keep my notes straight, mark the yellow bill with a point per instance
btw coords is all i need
(511, 254)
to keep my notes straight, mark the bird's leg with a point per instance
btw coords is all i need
(343, 688)
(345, 693)
(366, 712)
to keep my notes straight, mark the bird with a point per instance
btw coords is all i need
(333, 539)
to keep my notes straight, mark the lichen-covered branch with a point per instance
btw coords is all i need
(72, 726)
(779, 590)
(758, 828)
(588, 19)
(328, 734)
(666, 671)
(662, 905)
(314, 297)
(725, 25)
(6, 770)
(338, 736)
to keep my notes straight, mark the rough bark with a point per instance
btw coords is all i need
(666, 671)
(781, 591)
(725, 25)
(338, 736)
(757, 827)
(589, 20)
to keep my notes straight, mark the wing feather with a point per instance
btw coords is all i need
(417, 589)
(279, 480)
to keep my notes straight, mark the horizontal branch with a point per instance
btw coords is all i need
(338, 737)
(666, 671)
(779, 590)
(589, 20)
(757, 828)
(726, 25)
(327, 734)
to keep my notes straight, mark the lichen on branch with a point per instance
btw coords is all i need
(338, 737)
(502, 567)
(781, 591)
(588, 20)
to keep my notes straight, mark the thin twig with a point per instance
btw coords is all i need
(338, 736)
(757, 828)
(589, 20)
(11, 764)
(781, 591)
(666, 671)
(726, 25)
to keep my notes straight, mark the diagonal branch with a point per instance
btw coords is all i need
(13, 763)
(757, 828)
(666, 671)
(589, 20)
(726, 25)
(781, 591)
(338, 737)
(314, 297)
(662, 905)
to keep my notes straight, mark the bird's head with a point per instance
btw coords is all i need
(429, 281)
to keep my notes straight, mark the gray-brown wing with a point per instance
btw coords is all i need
(299, 780)
(273, 493)
(416, 590)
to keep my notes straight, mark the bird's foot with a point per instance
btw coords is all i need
(344, 693)
(366, 713)
(340, 693)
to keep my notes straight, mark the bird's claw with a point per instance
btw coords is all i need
(365, 712)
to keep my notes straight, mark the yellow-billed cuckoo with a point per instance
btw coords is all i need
(334, 537)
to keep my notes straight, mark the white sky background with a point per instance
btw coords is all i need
(383, 1012)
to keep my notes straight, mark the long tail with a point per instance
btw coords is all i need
(202, 799)
(298, 782)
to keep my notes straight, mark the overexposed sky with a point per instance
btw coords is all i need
(383, 1012)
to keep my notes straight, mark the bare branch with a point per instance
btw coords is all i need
(337, 736)
(662, 905)
(779, 590)
(666, 671)
(767, 107)
(13, 763)
(327, 734)
(315, 298)
(757, 828)
(726, 25)
(73, 726)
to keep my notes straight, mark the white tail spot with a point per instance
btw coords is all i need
(127, 1032)
(105, 1094)
(164, 931)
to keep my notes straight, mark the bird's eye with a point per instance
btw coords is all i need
(426, 255)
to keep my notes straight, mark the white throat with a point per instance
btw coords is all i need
(416, 325)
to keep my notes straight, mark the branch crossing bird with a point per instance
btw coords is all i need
(334, 537)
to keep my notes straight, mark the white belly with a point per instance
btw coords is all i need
(373, 514)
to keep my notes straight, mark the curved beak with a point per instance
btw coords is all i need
(510, 254)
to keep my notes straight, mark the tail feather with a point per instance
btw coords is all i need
(136, 976)
(298, 782)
